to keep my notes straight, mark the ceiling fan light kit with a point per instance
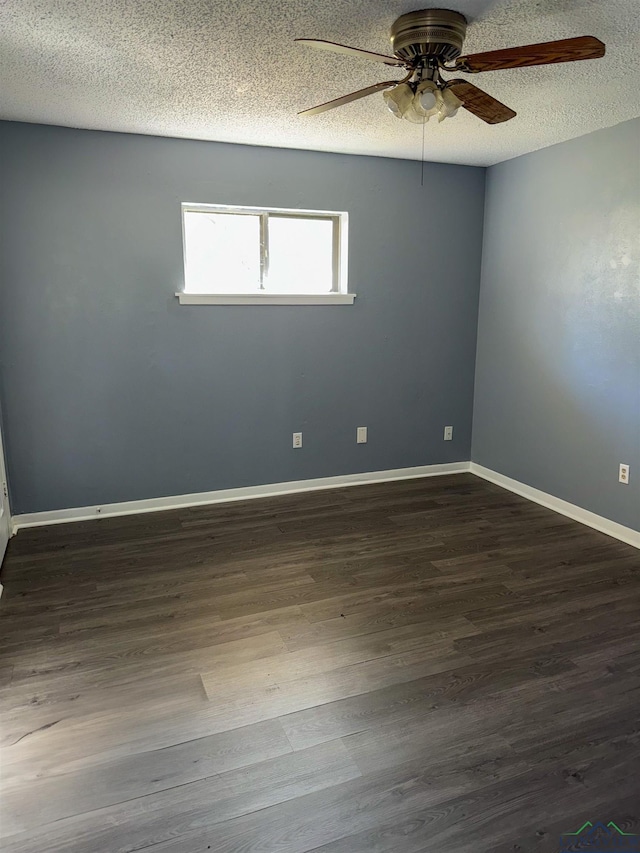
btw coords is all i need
(420, 105)
(428, 41)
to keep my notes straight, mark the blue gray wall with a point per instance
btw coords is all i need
(557, 396)
(112, 391)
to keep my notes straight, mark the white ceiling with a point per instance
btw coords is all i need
(229, 70)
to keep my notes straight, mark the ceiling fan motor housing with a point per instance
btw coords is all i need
(429, 33)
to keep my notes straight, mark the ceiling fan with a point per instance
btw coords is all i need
(429, 41)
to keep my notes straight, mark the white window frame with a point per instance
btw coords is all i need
(339, 294)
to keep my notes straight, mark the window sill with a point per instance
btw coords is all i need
(265, 298)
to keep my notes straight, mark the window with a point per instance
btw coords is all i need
(249, 255)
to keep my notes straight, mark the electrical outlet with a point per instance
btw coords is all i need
(448, 433)
(297, 440)
(361, 435)
(623, 475)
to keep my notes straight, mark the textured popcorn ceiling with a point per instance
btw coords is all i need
(229, 70)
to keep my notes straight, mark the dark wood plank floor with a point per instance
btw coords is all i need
(431, 665)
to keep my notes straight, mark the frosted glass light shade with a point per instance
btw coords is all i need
(415, 116)
(398, 99)
(448, 104)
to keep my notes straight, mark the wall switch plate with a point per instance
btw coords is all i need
(361, 435)
(297, 440)
(448, 433)
(623, 474)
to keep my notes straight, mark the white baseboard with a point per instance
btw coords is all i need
(85, 513)
(584, 516)
(577, 513)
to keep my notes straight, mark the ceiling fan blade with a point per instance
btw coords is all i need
(320, 44)
(546, 53)
(479, 103)
(346, 99)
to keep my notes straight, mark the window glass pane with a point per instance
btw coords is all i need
(300, 255)
(222, 252)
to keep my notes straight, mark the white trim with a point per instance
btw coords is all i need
(198, 207)
(6, 521)
(577, 513)
(265, 298)
(591, 519)
(60, 516)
